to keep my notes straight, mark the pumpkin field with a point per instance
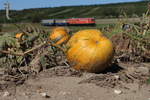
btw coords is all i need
(108, 61)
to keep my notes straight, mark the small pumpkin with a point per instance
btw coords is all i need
(84, 34)
(92, 54)
(19, 35)
(61, 28)
(59, 35)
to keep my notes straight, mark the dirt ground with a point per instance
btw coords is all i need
(63, 83)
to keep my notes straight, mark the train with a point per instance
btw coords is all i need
(69, 21)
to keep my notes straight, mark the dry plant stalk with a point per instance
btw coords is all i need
(31, 50)
(25, 53)
(24, 32)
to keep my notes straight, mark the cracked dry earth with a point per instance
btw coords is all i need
(66, 85)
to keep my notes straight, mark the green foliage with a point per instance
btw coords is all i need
(7, 40)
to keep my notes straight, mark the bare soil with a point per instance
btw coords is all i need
(64, 83)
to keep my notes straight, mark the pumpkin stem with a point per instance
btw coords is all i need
(55, 45)
(97, 42)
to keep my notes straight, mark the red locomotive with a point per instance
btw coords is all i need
(81, 21)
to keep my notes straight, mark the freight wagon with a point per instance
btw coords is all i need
(70, 21)
(48, 22)
(52, 22)
(60, 22)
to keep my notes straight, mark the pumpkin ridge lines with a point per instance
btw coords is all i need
(84, 48)
(76, 52)
(94, 56)
(76, 63)
(92, 50)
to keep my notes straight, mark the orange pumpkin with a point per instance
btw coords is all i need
(60, 28)
(19, 35)
(59, 35)
(92, 54)
(84, 34)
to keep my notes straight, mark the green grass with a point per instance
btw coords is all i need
(9, 28)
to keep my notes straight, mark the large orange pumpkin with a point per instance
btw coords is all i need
(92, 54)
(84, 34)
(59, 35)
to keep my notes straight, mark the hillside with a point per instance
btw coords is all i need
(132, 9)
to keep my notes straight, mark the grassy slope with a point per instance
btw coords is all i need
(97, 11)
